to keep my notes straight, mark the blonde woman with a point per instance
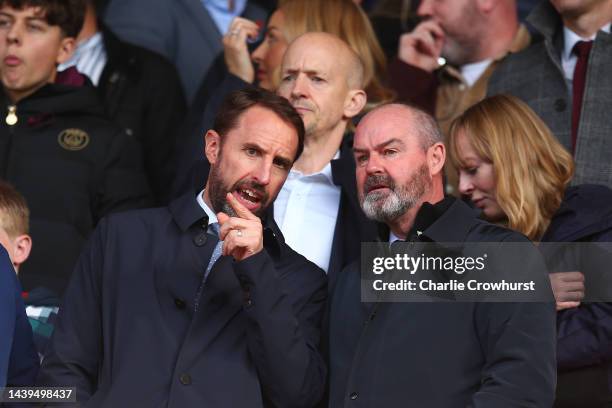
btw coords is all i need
(513, 169)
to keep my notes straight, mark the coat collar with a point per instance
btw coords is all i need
(343, 171)
(453, 225)
(546, 20)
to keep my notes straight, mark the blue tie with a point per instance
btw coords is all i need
(213, 229)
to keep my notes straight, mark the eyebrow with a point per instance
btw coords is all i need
(30, 18)
(380, 145)
(277, 159)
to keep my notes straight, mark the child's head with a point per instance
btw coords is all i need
(36, 36)
(14, 224)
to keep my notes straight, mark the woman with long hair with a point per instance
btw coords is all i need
(513, 169)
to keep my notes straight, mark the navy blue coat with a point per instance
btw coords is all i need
(18, 358)
(441, 355)
(127, 334)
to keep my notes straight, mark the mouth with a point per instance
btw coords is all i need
(479, 203)
(11, 61)
(261, 75)
(377, 188)
(251, 199)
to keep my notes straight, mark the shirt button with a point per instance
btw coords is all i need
(560, 105)
(354, 396)
(248, 303)
(185, 379)
(179, 303)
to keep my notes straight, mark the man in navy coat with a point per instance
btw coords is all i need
(200, 303)
(432, 354)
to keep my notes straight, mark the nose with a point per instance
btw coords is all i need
(425, 9)
(466, 187)
(263, 172)
(13, 34)
(299, 87)
(259, 54)
(374, 165)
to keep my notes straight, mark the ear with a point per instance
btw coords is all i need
(354, 103)
(67, 47)
(212, 146)
(22, 245)
(436, 156)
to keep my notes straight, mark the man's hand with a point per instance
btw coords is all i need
(568, 288)
(423, 46)
(236, 52)
(242, 236)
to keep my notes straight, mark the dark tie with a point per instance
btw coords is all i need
(582, 50)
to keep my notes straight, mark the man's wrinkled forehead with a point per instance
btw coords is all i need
(390, 122)
(309, 59)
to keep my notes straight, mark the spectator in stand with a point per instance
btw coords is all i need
(469, 38)
(566, 80)
(56, 146)
(42, 304)
(141, 92)
(18, 359)
(397, 354)
(514, 170)
(202, 296)
(445, 63)
(187, 32)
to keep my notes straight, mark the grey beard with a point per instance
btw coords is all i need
(392, 207)
(385, 208)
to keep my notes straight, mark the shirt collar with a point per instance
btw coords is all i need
(212, 217)
(472, 72)
(393, 237)
(570, 39)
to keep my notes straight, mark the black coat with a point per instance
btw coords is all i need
(142, 93)
(444, 354)
(127, 334)
(72, 166)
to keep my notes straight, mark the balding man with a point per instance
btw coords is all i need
(317, 208)
(430, 354)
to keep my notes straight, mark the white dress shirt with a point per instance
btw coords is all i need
(89, 58)
(568, 58)
(306, 210)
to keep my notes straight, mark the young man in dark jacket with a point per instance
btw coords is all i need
(56, 146)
